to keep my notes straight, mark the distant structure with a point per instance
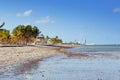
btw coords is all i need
(85, 42)
(39, 40)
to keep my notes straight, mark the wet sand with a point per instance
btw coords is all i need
(64, 67)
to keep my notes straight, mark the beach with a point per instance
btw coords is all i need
(10, 55)
(60, 62)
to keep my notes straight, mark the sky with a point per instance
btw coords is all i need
(96, 21)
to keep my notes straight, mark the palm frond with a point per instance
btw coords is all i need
(2, 24)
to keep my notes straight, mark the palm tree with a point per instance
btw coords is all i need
(2, 24)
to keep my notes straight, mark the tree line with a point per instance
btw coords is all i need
(22, 34)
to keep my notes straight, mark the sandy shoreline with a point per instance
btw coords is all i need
(10, 55)
(49, 62)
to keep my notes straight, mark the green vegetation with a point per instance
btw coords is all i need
(4, 34)
(25, 34)
(56, 40)
(22, 34)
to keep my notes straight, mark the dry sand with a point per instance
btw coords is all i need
(10, 55)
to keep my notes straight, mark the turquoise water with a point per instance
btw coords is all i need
(103, 63)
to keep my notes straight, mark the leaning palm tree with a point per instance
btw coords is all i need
(2, 24)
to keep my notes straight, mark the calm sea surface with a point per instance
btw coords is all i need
(103, 63)
(97, 48)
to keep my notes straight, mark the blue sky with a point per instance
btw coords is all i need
(97, 21)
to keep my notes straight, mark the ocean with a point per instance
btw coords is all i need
(96, 48)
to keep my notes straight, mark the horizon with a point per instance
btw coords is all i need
(97, 22)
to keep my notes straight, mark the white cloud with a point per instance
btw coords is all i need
(26, 13)
(45, 20)
(116, 10)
